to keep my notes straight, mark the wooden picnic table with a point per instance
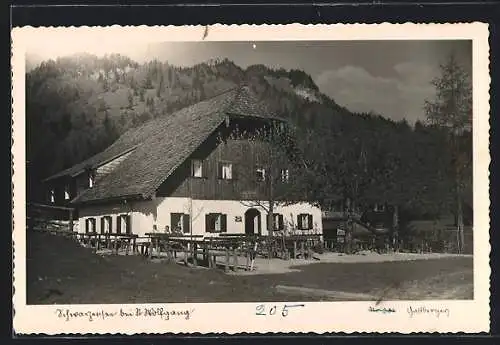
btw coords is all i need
(186, 241)
(210, 247)
(301, 244)
(96, 240)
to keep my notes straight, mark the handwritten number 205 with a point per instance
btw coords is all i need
(261, 310)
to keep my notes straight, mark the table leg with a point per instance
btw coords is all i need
(235, 259)
(186, 251)
(226, 268)
(195, 254)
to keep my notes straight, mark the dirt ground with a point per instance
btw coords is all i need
(60, 271)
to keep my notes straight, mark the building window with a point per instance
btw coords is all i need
(278, 222)
(91, 180)
(216, 222)
(285, 175)
(305, 221)
(123, 224)
(106, 224)
(226, 171)
(52, 196)
(90, 225)
(66, 193)
(260, 174)
(180, 222)
(197, 168)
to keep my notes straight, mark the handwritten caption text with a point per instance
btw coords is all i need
(94, 315)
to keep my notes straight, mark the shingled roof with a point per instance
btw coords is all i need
(160, 145)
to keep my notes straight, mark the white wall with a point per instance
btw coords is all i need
(145, 214)
(97, 211)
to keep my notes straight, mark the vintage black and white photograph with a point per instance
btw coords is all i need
(250, 171)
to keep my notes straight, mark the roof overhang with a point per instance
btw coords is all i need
(123, 198)
(258, 118)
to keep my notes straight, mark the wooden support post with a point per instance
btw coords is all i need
(235, 259)
(186, 251)
(226, 268)
(71, 220)
(195, 254)
(205, 252)
(294, 249)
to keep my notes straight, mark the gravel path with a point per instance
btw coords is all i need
(277, 266)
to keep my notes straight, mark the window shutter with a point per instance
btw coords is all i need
(204, 168)
(128, 225)
(234, 172)
(310, 221)
(223, 227)
(118, 224)
(208, 226)
(110, 224)
(299, 221)
(275, 221)
(102, 225)
(281, 224)
(173, 221)
(219, 170)
(87, 225)
(185, 224)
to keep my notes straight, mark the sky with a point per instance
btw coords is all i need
(390, 77)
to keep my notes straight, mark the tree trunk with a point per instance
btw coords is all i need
(350, 227)
(460, 223)
(395, 228)
(270, 213)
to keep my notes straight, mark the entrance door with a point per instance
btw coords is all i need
(252, 222)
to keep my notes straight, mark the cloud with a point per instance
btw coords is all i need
(399, 96)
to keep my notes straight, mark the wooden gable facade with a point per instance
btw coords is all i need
(227, 167)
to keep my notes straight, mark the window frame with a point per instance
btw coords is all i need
(88, 221)
(67, 195)
(91, 180)
(285, 175)
(220, 172)
(278, 222)
(263, 176)
(128, 226)
(184, 220)
(223, 222)
(52, 195)
(103, 222)
(300, 221)
(201, 168)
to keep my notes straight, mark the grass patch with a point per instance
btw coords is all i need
(60, 271)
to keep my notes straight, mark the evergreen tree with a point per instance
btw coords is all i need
(451, 109)
(130, 101)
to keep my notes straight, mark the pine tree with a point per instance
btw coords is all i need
(130, 101)
(141, 94)
(451, 109)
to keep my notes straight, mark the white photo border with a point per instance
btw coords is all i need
(469, 316)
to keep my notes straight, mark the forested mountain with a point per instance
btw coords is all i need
(76, 106)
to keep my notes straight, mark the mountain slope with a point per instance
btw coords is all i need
(77, 106)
